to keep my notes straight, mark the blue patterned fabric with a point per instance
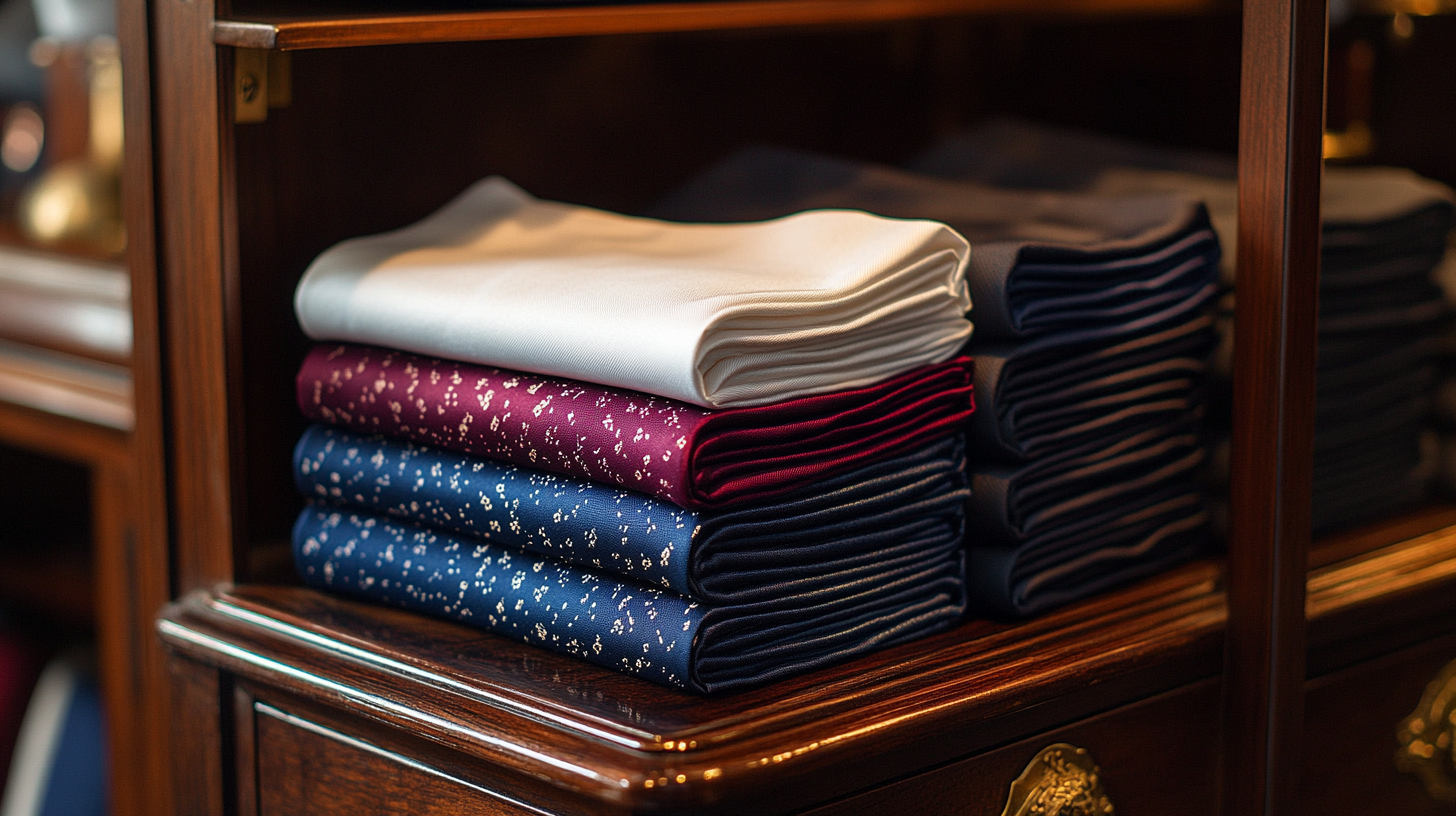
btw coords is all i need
(650, 633)
(846, 529)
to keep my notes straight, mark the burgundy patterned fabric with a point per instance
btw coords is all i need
(691, 456)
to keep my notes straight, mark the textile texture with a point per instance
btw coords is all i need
(713, 315)
(651, 633)
(869, 524)
(680, 453)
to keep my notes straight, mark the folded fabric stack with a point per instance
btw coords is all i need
(705, 456)
(1092, 342)
(1384, 232)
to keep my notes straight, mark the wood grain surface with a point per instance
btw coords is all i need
(292, 31)
(624, 742)
(187, 97)
(1156, 756)
(1351, 718)
(1280, 125)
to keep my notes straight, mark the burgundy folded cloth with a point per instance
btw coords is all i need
(693, 457)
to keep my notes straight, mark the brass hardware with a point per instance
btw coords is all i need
(250, 85)
(1428, 737)
(1353, 142)
(1061, 781)
(261, 80)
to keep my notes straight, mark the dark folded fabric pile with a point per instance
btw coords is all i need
(1380, 313)
(849, 540)
(1092, 343)
(1384, 232)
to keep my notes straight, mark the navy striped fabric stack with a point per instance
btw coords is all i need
(1093, 338)
(1385, 231)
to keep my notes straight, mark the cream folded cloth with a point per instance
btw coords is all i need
(717, 315)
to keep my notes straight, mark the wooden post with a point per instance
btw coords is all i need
(1281, 120)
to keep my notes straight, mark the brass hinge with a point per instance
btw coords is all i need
(261, 80)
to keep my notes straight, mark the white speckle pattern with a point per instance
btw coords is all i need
(628, 627)
(680, 453)
(825, 537)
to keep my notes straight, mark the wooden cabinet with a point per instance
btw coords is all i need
(1352, 720)
(1188, 690)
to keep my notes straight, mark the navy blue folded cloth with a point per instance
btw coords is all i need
(1383, 232)
(1065, 268)
(1073, 523)
(1037, 404)
(844, 530)
(651, 633)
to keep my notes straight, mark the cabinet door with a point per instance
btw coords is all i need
(1353, 733)
(307, 768)
(1158, 756)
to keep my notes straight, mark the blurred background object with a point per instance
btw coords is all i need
(65, 351)
(77, 197)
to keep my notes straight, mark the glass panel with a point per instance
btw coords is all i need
(1384, 394)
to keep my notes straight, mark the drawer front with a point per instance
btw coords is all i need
(1353, 719)
(306, 768)
(1157, 757)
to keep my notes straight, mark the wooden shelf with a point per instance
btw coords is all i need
(67, 303)
(607, 736)
(288, 32)
(62, 437)
(64, 385)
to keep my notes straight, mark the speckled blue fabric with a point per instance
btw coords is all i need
(846, 529)
(624, 625)
(650, 633)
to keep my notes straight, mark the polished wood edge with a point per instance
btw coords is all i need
(1381, 601)
(1383, 575)
(1281, 112)
(1165, 633)
(366, 746)
(1342, 546)
(297, 33)
(62, 437)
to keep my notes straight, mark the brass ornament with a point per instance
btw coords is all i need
(1428, 737)
(1061, 781)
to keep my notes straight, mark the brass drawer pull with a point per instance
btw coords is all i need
(1428, 737)
(1061, 781)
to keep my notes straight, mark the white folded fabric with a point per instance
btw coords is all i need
(716, 315)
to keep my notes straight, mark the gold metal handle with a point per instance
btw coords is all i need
(1428, 737)
(1061, 781)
